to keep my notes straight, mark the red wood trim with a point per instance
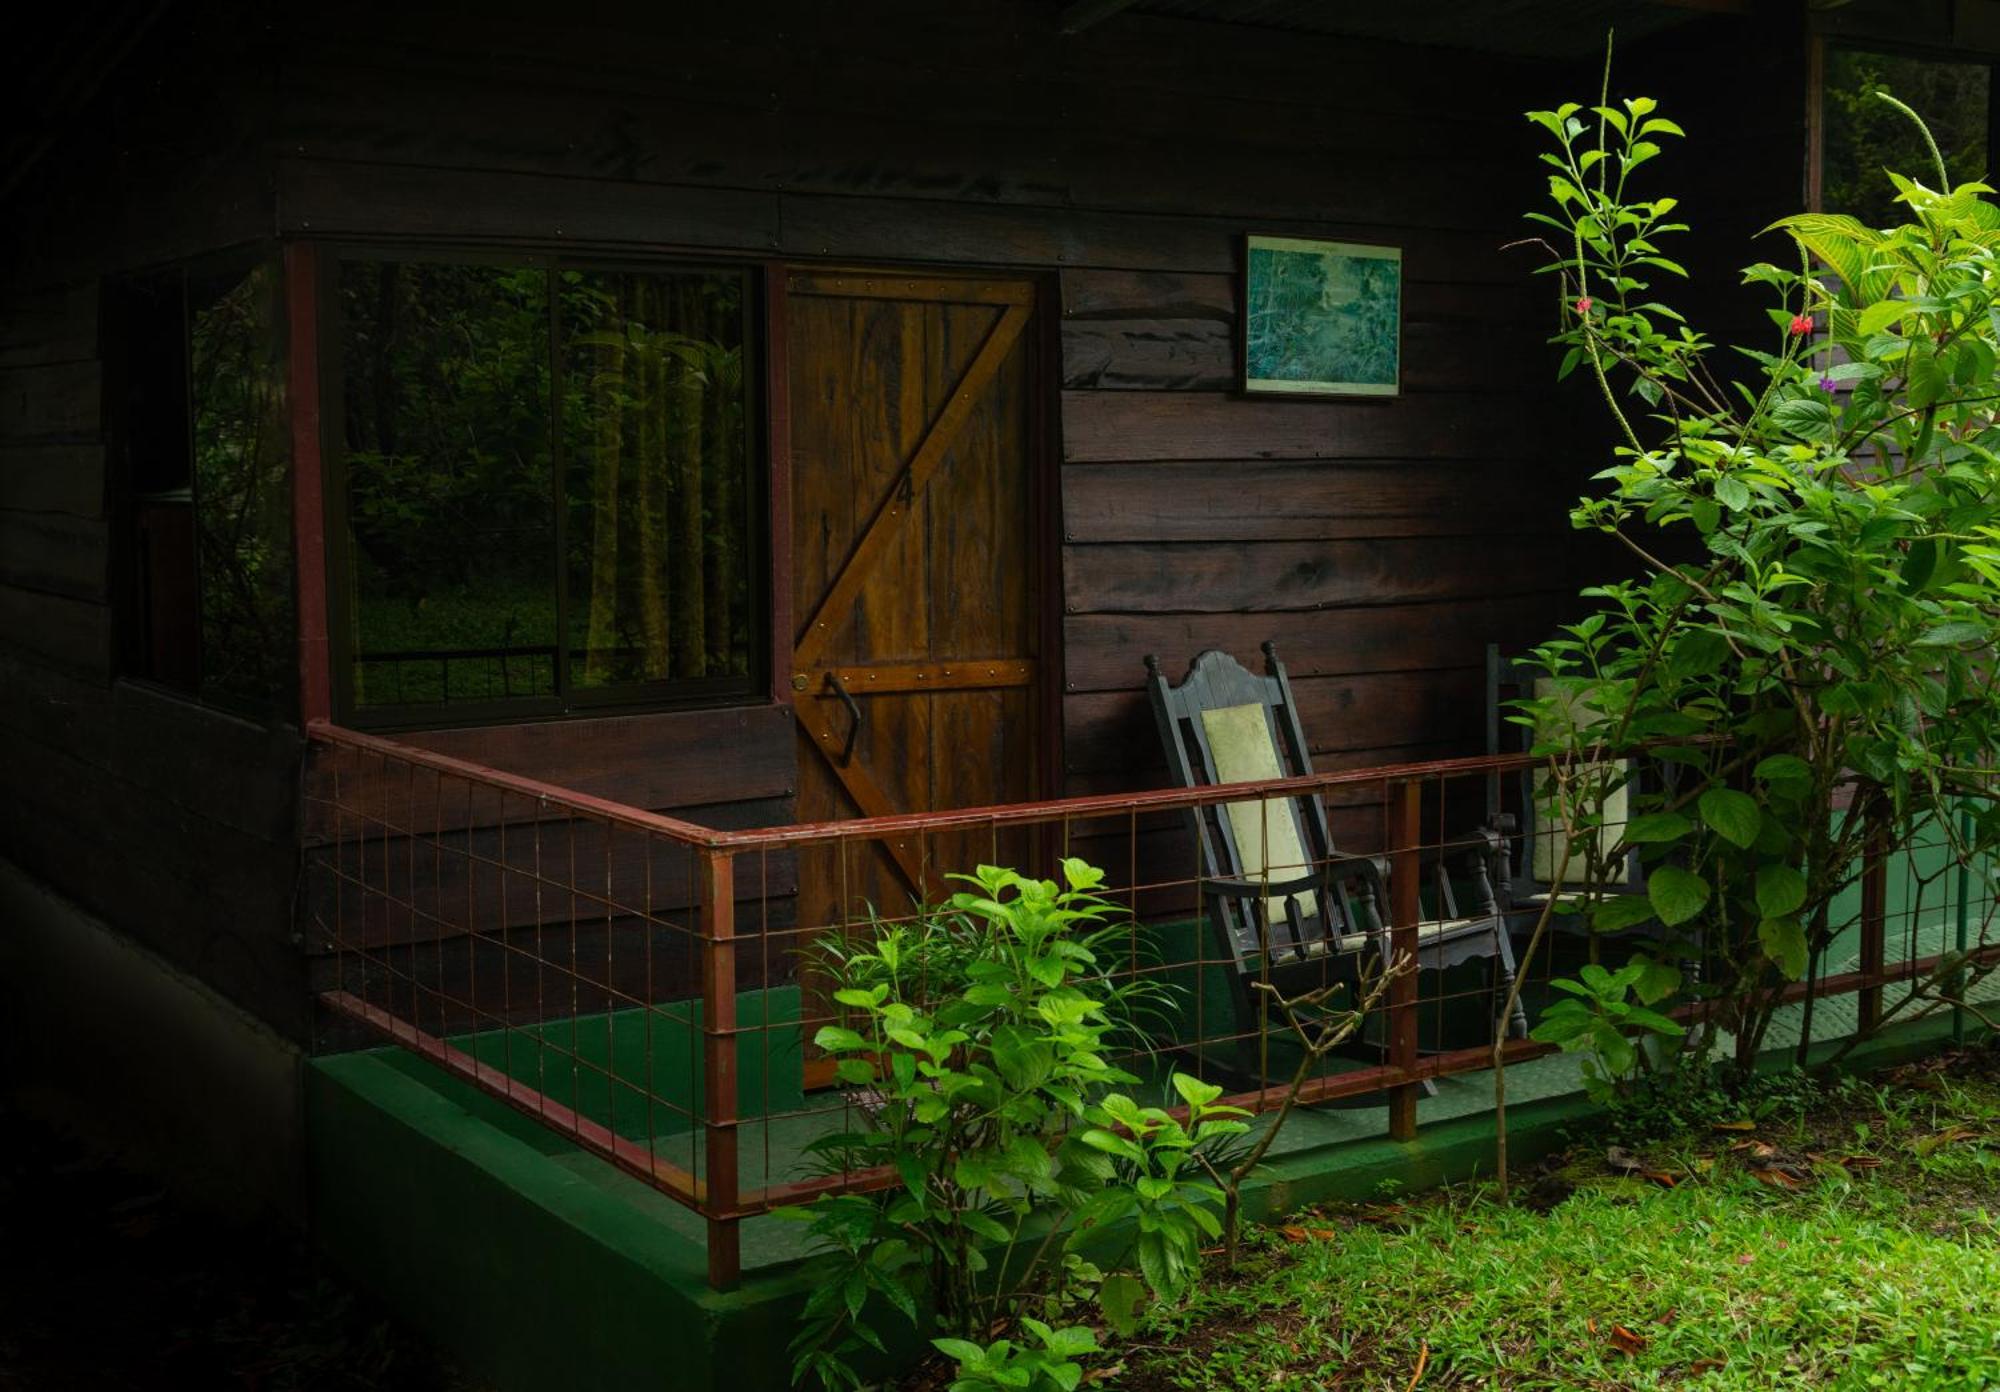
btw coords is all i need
(1046, 395)
(1815, 170)
(718, 1065)
(778, 418)
(1874, 917)
(1406, 806)
(308, 480)
(629, 1156)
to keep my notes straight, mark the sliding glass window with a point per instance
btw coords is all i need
(1865, 136)
(547, 488)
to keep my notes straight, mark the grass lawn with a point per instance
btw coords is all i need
(1840, 1239)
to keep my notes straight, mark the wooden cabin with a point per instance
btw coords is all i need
(341, 347)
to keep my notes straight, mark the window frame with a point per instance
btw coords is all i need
(567, 701)
(1821, 44)
(125, 571)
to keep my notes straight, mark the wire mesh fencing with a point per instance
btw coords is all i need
(652, 989)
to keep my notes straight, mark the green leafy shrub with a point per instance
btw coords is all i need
(979, 1035)
(1598, 1018)
(1805, 656)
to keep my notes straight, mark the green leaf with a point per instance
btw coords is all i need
(1733, 816)
(1780, 890)
(1808, 417)
(1657, 980)
(1676, 894)
(1119, 1298)
(1782, 768)
(1784, 942)
(960, 1352)
(1956, 632)
(1652, 1020)
(1562, 1029)
(1877, 317)
(834, 1038)
(1195, 1092)
(1656, 827)
(1071, 1342)
(1621, 911)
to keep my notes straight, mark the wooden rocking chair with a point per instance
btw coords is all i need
(1279, 894)
(1520, 808)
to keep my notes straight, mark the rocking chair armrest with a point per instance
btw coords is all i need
(1259, 889)
(1373, 869)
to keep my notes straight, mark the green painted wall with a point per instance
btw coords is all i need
(607, 1066)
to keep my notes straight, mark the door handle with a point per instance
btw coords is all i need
(853, 715)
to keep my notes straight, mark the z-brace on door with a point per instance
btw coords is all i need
(914, 571)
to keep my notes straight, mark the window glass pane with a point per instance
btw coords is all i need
(242, 489)
(655, 434)
(1865, 136)
(449, 494)
(159, 619)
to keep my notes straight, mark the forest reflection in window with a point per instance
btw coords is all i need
(1865, 136)
(206, 468)
(547, 485)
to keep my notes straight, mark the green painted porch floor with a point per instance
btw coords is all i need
(783, 1121)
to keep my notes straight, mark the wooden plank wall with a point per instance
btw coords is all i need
(171, 821)
(1382, 544)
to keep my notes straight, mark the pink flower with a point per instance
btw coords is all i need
(1583, 304)
(1802, 324)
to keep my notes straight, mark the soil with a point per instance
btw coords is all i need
(108, 1285)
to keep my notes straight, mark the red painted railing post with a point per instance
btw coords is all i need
(1406, 801)
(718, 1059)
(1874, 919)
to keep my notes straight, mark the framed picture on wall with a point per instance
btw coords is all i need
(1321, 318)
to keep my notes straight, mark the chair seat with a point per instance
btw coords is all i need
(1430, 932)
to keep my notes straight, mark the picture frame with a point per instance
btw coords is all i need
(1320, 318)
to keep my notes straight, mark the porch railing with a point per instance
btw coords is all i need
(640, 983)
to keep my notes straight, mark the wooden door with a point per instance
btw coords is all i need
(914, 565)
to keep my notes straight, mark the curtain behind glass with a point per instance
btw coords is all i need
(656, 443)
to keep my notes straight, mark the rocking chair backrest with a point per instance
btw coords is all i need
(1533, 804)
(1223, 724)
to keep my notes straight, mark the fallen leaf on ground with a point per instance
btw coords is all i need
(1708, 1365)
(1625, 1341)
(1659, 1177)
(1862, 1162)
(1745, 1125)
(1294, 1233)
(1780, 1178)
(1944, 1138)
